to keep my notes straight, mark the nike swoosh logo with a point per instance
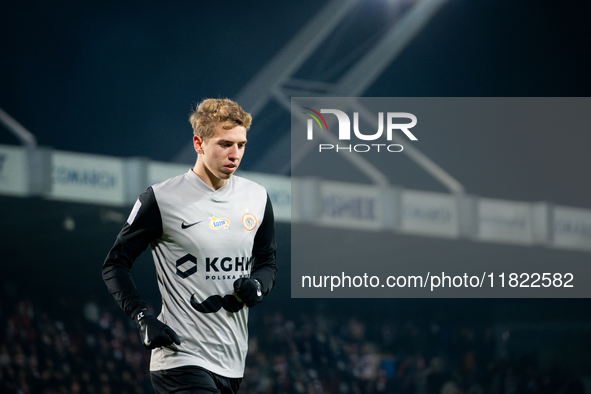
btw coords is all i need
(147, 339)
(259, 291)
(185, 225)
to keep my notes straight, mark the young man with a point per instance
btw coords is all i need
(213, 242)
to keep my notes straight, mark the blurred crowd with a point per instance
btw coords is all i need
(328, 353)
(46, 348)
(60, 352)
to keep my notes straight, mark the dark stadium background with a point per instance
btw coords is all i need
(119, 78)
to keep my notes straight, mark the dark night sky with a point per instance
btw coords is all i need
(120, 79)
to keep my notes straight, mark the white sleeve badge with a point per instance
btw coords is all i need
(132, 215)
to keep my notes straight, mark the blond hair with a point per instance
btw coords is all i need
(210, 112)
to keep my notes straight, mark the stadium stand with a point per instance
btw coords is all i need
(45, 348)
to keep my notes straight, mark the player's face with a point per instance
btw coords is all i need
(220, 155)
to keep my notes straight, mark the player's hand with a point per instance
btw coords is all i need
(153, 332)
(249, 290)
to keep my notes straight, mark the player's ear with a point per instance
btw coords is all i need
(198, 144)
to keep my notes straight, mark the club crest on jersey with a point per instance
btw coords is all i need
(249, 221)
(218, 223)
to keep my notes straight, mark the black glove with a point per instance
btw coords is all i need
(249, 290)
(153, 332)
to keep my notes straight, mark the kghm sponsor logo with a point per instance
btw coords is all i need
(345, 131)
(227, 267)
(227, 264)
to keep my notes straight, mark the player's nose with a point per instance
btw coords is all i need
(234, 152)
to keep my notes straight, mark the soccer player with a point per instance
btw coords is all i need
(212, 238)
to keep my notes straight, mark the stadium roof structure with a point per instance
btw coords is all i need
(340, 52)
